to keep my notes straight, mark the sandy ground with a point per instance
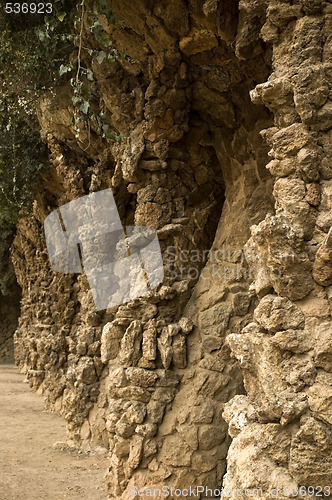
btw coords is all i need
(31, 468)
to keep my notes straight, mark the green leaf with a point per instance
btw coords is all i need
(76, 100)
(89, 75)
(110, 134)
(61, 16)
(101, 56)
(42, 35)
(105, 129)
(109, 15)
(84, 107)
(64, 69)
(95, 26)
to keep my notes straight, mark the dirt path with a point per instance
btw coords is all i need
(30, 467)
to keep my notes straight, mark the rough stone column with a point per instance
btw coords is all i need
(9, 313)
(282, 428)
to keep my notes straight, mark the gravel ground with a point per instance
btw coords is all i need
(32, 467)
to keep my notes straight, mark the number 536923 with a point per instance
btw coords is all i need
(29, 8)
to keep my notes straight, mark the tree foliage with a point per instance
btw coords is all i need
(37, 52)
(32, 47)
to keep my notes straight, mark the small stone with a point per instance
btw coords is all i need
(150, 448)
(170, 230)
(175, 452)
(167, 378)
(323, 348)
(203, 462)
(276, 313)
(136, 412)
(296, 341)
(110, 341)
(211, 343)
(202, 414)
(210, 437)
(149, 346)
(165, 348)
(186, 325)
(179, 346)
(124, 429)
(130, 393)
(152, 165)
(241, 303)
(147, 430)
(155, 411)
(173, 329)
(141, 377)
(198, 41)
(281, 168)
(313, 194)
(145, 363)
(133, 188)
(131, 343)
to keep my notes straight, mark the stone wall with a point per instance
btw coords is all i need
(286, 352)
(159, 381)
(9, 314)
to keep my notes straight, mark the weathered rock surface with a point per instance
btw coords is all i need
(9, 314)
(286, 360)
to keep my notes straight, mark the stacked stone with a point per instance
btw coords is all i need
(9, 314)
(282, 428)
